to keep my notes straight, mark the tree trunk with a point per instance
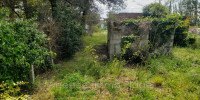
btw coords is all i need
(26, 9)
(83, 20)
(53, 8)
(52, 61)
(86, 8)
(196, 11)
(170, 7)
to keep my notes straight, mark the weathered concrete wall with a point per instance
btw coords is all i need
(144, 36)
(116, 30)
(167, 47)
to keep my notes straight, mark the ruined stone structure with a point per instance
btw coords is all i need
(117, 29)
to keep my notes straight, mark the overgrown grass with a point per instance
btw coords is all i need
(96, 39)
(167, 77)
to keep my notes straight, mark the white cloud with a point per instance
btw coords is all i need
(131, 6)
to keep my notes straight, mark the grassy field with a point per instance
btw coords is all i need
(86, 77)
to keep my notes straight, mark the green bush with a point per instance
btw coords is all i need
(181, 33)
(129, 55)
(124, 40)
(69, 39)
(160, 33)
(21, 45)
(11, 91)
(163, 28)
(155, 10)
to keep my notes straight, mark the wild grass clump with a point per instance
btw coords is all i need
(163, 64)
(158, 81)
(194, 75)
(142, 94)
(111, 87)
(97, 69)
(115, 67)
(72, 85)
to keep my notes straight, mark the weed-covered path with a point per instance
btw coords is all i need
(89, 76)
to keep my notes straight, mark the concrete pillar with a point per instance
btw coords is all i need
(114, 39)
(144, 35)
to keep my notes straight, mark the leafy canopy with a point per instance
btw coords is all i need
(155, 10)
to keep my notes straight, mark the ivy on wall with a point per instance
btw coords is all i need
(159, 33)
(162, 28)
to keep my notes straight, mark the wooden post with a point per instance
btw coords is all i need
(32, 74)
(52, 61)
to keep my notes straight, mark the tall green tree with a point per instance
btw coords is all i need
(86, 6)
(155, 10)
(189, 8)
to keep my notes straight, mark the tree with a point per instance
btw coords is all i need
(155, 10)
(86, 6)
(189, 8)
(53, 7)
(175, 11)
(12, 5)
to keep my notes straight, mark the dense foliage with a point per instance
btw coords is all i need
(155, 10)
(182, 37)
(11, 91)
(163, 28)
(69, 39)
(185, 8)
(21, 45)
(159, 34)
(129, 39)
(159, 11)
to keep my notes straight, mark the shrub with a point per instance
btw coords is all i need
(21, 45)
(125, 45)
(163, 28)
(181, 33)
(115, 67)
(157, 10)
(11, 91)
(126, 39)
(69, 39)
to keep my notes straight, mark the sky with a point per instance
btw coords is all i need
(131, 6)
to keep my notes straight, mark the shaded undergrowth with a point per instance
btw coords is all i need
(86, 77)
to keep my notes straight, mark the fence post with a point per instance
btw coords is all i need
(52, 61)
(32, 74)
